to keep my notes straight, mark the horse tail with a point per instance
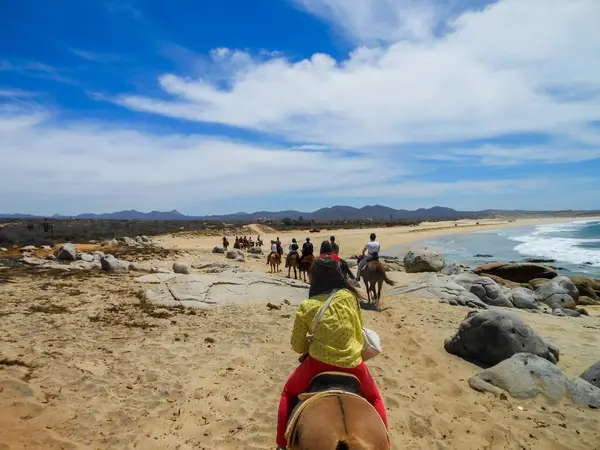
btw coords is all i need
(351, 443)
(388, 281)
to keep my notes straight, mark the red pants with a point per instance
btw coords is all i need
(299, 382)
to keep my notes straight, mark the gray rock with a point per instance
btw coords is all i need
(98, 255)
(3, 249)
(561, 312)
(208, 290)
(159, 270)
(526, 376)
(523, 298)
(66, 252)
(112, 243)
(111, 264)
(214, 266)
(440, 288)
(128, 241)
(392, 263)
(517, 272)
(46, 247)
(586, 287)
(146, 239)
(85, 257)
(455, 269)
(255, 250)
(423, 259)
(486, 289)
(587, 301)
(495, 335)
(560, 291)
(236, 254)
(592, 374)
(218, 250)
(139, 240)
(181, 267)
(28, 248)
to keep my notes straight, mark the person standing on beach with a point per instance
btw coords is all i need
(334, 247)
(369, 253)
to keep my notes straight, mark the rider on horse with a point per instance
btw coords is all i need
(337, 342)
(334, 247)
(273, 250)
(307, 249)
(293, 250)
(371, 249)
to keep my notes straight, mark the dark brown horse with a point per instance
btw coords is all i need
(294, 262)
(306, 265)
(374, 274)
(337, 420)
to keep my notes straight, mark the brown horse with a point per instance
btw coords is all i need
(374, 274)
(274, 262)
(336, 418)
(306, 265)
(295, 263)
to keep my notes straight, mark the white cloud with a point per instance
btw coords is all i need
(371, 21)
(498, 71)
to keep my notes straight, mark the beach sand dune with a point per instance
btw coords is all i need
(84, 364)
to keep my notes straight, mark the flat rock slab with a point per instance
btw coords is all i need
(209, 290)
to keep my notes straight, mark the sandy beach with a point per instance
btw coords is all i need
(86, 364)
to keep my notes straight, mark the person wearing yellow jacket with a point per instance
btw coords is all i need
(337, 342)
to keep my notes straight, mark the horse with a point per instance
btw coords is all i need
(374, 274)
(295, 263)
(274, 261)
(306, 265)
(333, 416)
(225, 244)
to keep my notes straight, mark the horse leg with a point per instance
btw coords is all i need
(368, 292)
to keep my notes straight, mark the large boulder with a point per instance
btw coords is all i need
(525, 376)
(236, 254)
(128, 241)
(442, 288)
(66, 252)
(181, 267)
(537, 282)
(523, 298)
(218, 250)
(560, 291)
(592, 375)
(495, 335)
(587, 301)
(517, 272)
(586, 286)
(486, 289)
(423, 259)
(255, 250)
(111, 264)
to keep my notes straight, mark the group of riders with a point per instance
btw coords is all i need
(243, 243)
(370, 251)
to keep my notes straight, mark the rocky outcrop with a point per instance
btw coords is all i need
(218, 250)
(560, 291)
(255, 250)
(423, 259)
(492, 336)
(455, 269)
(181, 267)
(441, 288)
(66, 252)
(587, 301)
(517, 272)
(392, 263)
(525, 375)
(111, 264)
(592, 375)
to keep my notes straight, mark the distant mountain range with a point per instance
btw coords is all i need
(375, 212)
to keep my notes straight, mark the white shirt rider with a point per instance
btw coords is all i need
(372, 247)
(274, 247)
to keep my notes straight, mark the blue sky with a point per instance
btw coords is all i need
(220, 106)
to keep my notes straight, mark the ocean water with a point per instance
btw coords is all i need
(575, 246)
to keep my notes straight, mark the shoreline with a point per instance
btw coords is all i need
(351, 241)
